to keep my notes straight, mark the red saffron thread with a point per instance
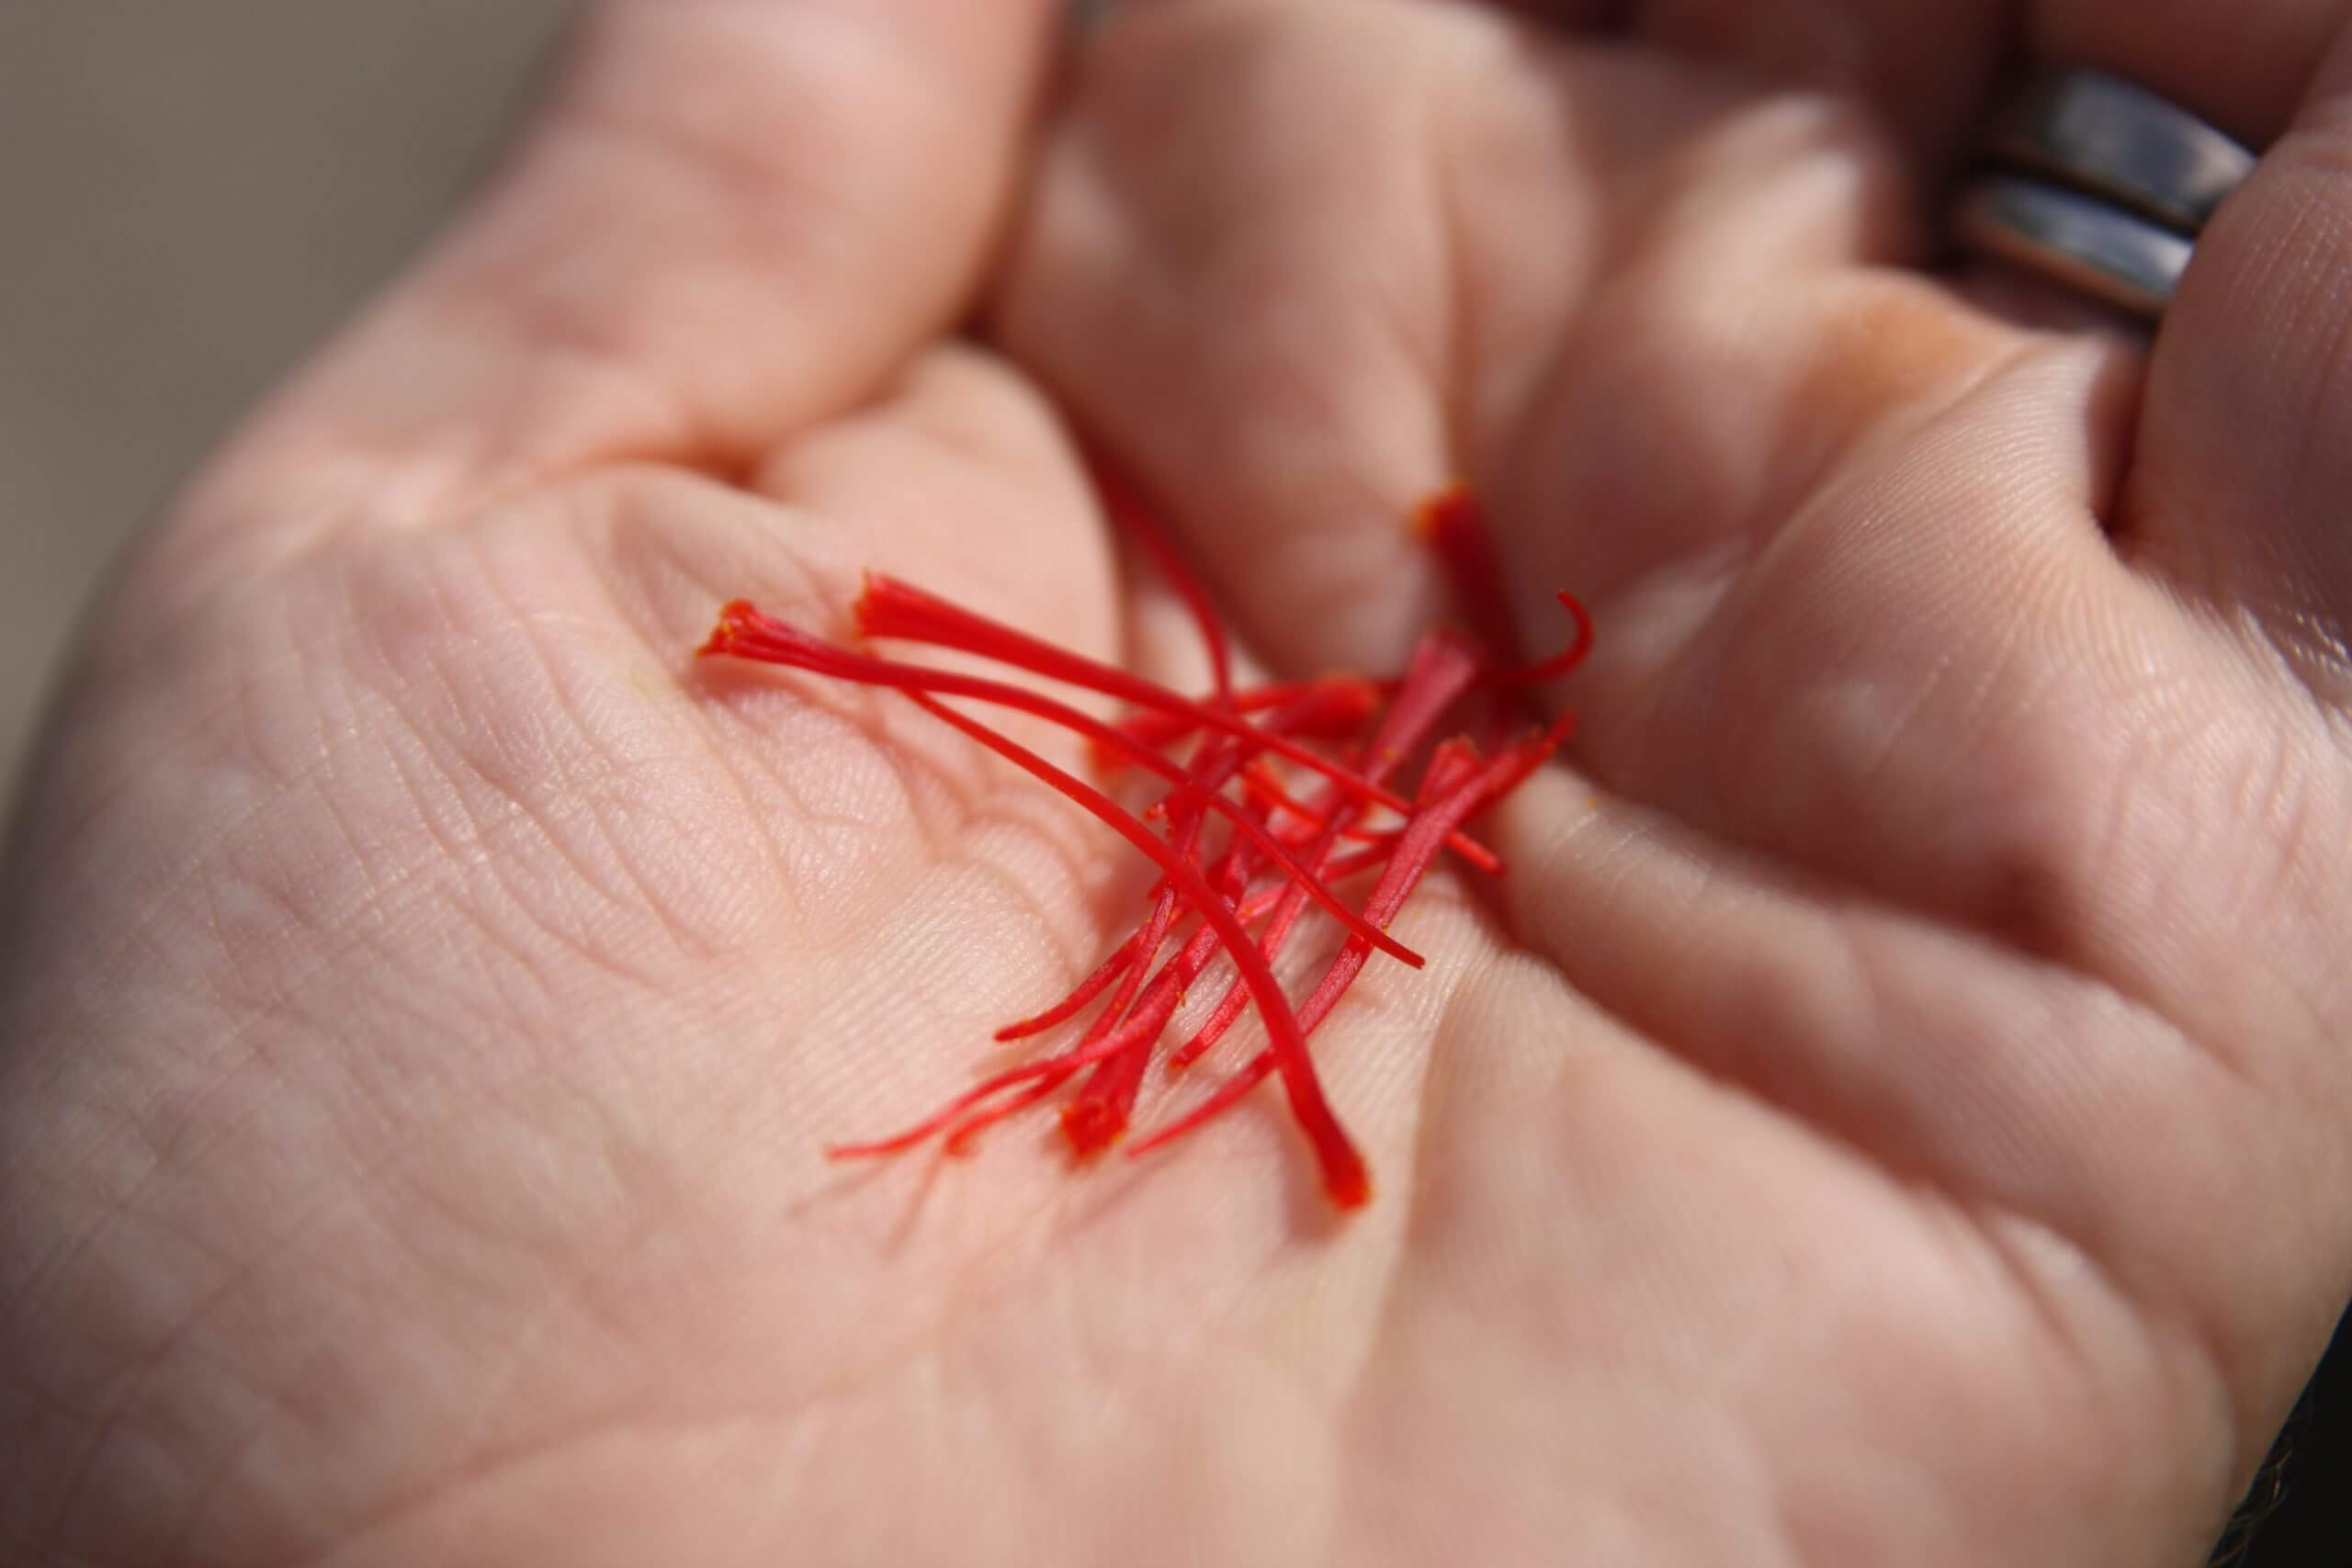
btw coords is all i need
(889, 608)
(748, 633)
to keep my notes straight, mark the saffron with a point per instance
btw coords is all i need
(1277, 851)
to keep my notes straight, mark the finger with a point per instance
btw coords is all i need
(1930, 68)
(1582, 16)
(1924, 64)
(1362, 225)
(2078, 1128)
(2244, 457)
(2244, 67)
(1160, 283)
(729, 217)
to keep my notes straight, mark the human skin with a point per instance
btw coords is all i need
(1894, 1109)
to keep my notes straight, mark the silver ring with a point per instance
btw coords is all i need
(2105, 137)
(2099, 250)
(2100, 186)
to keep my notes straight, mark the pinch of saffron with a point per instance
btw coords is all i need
(1280, 850)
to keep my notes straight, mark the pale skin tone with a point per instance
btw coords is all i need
(1892, 1110)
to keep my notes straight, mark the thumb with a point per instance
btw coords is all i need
(728, 218)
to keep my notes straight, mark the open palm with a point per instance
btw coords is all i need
(1885, 1115)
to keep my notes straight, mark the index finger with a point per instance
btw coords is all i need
(1929, 67)
(729, 217)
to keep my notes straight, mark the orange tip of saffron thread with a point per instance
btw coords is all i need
(1441, 509)
(1559, 663)
(1350, 1187)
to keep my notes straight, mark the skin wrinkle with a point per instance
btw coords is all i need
(114, 957)
(503, 462)
(1855, 907)
(2166, 1317)
(2315, 446)
(455, 770)
(206, 1478)
(1828, 522)
(951, 842)
(351, 1544)
(250, 1032)
(368, 1177)
(1357, 1410)
(967, 1301)
(1365, 1414)
(792, 211)
(668, 917)
(179, 1339)
(233, 1457)
(242, 1269)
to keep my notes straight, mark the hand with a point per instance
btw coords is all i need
(1911, 1132)
(425, 995)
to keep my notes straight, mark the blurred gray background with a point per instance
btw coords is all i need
(192, 194)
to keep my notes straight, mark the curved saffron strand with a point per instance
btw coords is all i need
(1559, 663)
(963, 1119)
(1346, 1181)
(744, 631)
(1070, 1006)
(1122, 1031)
(1125, 501)
(1228, 1006)
(1424, 837)
(1452, 523)
(889, 608)
(1348, 864)
(941, 1119)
